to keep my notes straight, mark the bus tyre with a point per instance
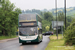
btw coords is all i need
(38, 42)
(41, 41)
(44, 35)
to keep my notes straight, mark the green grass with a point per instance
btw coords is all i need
(55, 44)
(7, 37)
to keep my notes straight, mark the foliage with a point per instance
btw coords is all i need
(69, 18)
(73, 19)
(18, 10)
(47, 28)
(61, 16)
(44, 24)
(70, 34)
(8, 18)
(69, 11)
(48, 16)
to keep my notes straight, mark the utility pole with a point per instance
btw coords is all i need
(56, 19)
(65, 13)
(0, 0)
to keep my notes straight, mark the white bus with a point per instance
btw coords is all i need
(30, 28)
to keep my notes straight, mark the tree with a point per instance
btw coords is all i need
(61, 16)
(18, 10)
(70, 34)
(48, 16)
(44, 24)
(47, 28)
(8, 18)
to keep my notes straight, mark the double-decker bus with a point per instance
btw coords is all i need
(30, 28)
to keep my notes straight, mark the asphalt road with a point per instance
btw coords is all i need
(15, 45)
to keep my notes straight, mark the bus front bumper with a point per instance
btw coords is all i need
(28, 41)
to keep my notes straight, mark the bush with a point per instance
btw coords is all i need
(70, 35)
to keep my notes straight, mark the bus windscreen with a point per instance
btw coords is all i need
(28, 31)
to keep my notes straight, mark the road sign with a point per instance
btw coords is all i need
(59, 23)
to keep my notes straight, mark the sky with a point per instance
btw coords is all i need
(41, 4)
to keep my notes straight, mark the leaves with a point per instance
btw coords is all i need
(8, 18)
(48, 17)
(61, 16)
(70, 33)
(18, 10)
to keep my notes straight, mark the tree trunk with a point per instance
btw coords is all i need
(3, 32)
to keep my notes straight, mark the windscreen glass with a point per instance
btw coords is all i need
(28, 31)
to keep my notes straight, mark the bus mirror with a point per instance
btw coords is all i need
(38, 28)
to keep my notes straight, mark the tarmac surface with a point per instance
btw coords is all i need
(13, 44)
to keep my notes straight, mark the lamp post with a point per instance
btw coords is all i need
(65, 12)
(56, 19)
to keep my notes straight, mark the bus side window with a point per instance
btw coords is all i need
(40, 31)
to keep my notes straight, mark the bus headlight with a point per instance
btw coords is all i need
(35, 33)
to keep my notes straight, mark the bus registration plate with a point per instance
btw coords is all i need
(28, 41)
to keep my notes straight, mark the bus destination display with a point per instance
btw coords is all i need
(28, 24)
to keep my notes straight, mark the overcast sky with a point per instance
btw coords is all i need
(41, 4)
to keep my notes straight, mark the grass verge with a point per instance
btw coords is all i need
(55, 44)
(7, 37)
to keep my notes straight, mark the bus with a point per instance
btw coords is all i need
(30, 28)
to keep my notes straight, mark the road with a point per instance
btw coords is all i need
(15, 45)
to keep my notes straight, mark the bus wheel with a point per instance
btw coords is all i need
(44, 35)
(41, 41)
(38, 42)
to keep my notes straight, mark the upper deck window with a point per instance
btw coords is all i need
(27, 17)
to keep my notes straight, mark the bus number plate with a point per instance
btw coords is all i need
(28, 41)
